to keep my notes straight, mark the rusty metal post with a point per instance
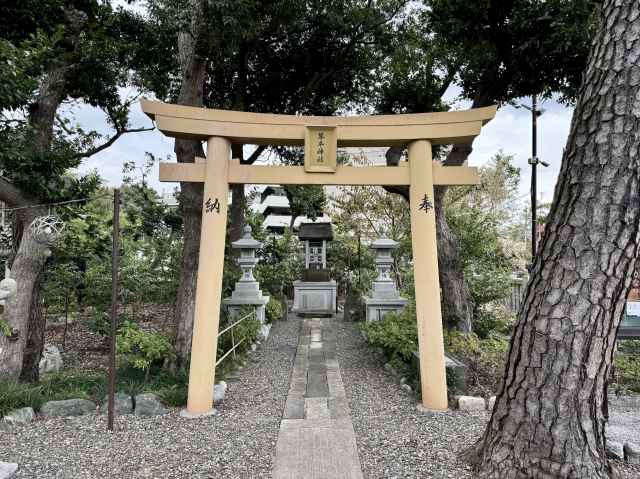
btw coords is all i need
(115, 254)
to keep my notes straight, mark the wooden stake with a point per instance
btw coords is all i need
(427, 284)
(209, 286)
(115, 253)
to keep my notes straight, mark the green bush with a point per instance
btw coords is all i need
(99, 322)
(14, 395)
(273, 310)
(396, 334)
(247, 332)
(142, 349)
(627, 368)
(67, 385)
(484, 359)
(169, 386)
(493, 318)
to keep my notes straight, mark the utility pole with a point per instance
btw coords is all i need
(534, 173)
(534, 161)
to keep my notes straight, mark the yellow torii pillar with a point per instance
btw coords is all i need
(321, 136)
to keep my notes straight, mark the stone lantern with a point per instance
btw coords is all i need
(247, 290)
(384, 294)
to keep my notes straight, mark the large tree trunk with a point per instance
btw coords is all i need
(42, 115)
(457, 303)
(191, 197)
(238, 201)
(23, 307)
(549, 418)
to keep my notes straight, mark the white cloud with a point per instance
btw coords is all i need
(510, 131)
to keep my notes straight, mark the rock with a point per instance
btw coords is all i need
(68, 407)
(491, 403)
(7, 469)
(219, 390)
(614, 450)
(632, 453)
(254, 346)
(471, 403)
(148, 404)
(51, 361)
(122, 404)
(264, 331)
(406, 387)
(23, 415)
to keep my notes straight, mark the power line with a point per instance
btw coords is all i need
(58, 203)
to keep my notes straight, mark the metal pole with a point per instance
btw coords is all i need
(359, 285)
(114, 305)
(534, 173)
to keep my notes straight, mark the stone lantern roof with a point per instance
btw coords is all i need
(384, 243)
(247, 241)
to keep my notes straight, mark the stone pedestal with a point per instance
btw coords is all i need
(384, 295)
(318, 297)
(377, 308)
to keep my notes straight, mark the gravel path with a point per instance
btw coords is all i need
(240, 443)
(396, 441)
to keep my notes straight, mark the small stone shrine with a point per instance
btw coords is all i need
(247, 290)
(384, 294)
(316, 293)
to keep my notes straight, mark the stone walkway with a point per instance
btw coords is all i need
(316, 438)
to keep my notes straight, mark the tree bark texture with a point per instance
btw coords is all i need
(238, 200)
(24, 307)
(549, 417)
(191, 197)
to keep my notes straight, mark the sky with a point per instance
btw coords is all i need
(509, 131)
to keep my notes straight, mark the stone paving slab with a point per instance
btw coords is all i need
(316, 438)
(317, 449)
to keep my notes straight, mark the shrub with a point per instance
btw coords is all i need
(484, 359)
(14, 395)
(273, 310)
(396, 334)
(627, 368)
(99, 322)
(247, 332)
(67, 385)
(493, 318)
(142, 349)
(169, 386)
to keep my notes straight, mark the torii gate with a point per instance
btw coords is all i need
(320, 135)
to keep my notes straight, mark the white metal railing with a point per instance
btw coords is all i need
(234, 345)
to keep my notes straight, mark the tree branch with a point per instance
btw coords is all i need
(14, 196)
(254, 156)
(446, 81)
(110, 141)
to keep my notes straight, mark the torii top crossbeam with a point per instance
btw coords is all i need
(321, 136)
(268, 129)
